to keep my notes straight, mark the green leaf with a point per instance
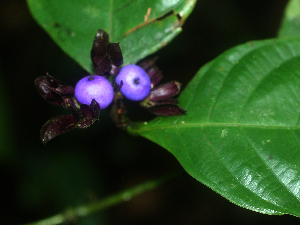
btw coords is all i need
(73, 24)
(291, 22)
(241, 134)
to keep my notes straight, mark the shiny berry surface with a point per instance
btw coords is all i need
(134, 82)
(94, 87)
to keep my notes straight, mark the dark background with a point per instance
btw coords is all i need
(81, 166)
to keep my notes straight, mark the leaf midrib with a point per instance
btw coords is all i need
(203, 125)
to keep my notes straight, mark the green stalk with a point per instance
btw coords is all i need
(118, 198)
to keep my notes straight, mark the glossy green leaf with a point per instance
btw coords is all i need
(73, 24)
(241, 133)
(291, 22)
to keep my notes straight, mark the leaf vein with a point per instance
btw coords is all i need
(187, 125)
(259, 83)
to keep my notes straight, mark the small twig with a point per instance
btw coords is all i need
(146, 17)
(87, 210)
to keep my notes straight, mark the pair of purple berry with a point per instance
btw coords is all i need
(133, 82)
(95, 92)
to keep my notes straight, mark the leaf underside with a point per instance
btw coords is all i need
(241, 133)
(141, 27)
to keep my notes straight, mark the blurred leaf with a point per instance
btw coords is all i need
(241, 134)
(6, 135)
(141, 27)
(59, 179)
(291, 22)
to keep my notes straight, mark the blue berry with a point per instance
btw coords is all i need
(134, 82)
(94, 87)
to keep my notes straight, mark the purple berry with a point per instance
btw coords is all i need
(94, 87)
(134, 82)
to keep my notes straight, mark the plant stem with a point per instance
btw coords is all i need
(86, 210)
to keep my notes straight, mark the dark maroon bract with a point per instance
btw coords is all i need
(106, 57)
